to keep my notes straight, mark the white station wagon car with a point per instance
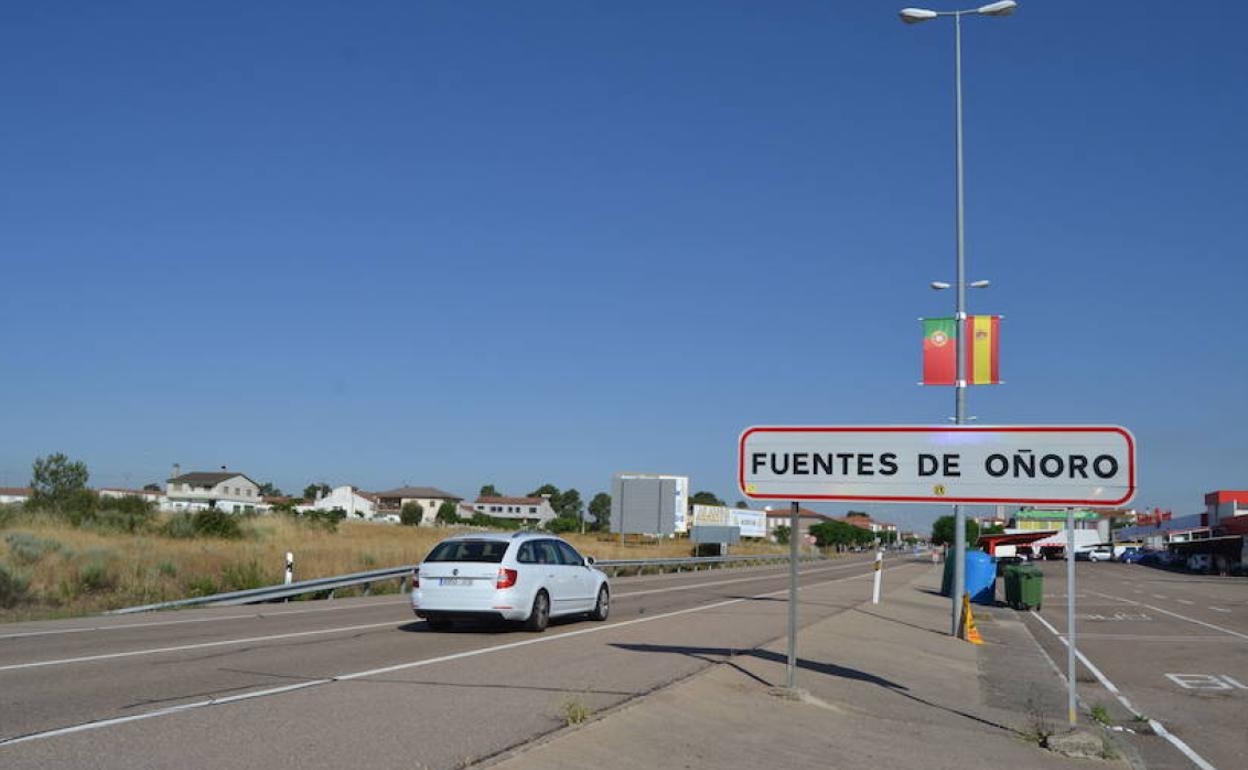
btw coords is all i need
(525, 576)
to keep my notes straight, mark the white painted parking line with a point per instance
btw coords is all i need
(1157, 727)
(1219, 609)
(545, 639)
(1160, 596)
(1177, 615)
(1185, 601)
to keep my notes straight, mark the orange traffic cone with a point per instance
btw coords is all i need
(969, 631)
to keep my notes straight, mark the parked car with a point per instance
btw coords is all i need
(522, 576)
(1132, 555)
(1099, 553)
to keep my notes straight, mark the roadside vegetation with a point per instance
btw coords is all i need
(69, 551)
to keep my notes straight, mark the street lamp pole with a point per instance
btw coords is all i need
(914, 16)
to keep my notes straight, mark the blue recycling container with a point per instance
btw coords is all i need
(981, 578)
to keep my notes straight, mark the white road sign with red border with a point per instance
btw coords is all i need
(1064, 465)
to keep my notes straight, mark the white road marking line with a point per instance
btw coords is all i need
(1219, 609)
(197, 646)
(1158, 728)
(1160, 596)
(1177, 615)
(276, 614)
(253, 639)
(1184, 601)
(403, 666)
(1159, 638)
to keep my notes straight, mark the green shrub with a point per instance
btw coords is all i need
(25, 548)
(167, 568)
(561, 524)
(97, 576)
(326, 520)
(180, 526)
(201, 585)
(12, 588)
(216, 523)
(481, 520)
(412, 514)
(448, 513)
(240, 577)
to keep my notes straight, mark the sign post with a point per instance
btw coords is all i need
(1073, 465)
(1072, 686)
(792, 668)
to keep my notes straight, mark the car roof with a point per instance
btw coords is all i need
(502, 536)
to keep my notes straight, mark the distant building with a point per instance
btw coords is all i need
(200, 490)
(357, 503)
(531, 510)
(806, 518)
(10, 495)
(429, 498)
(153, 497)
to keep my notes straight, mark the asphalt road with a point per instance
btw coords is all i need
(361, 681)
(1173, 645)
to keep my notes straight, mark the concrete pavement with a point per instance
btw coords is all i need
(886, 687)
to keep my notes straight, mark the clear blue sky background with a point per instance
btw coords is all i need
(454, 243)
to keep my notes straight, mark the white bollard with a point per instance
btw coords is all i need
(879, 572)
(290, 567)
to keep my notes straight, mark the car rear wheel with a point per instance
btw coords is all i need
(539, 617)
(603, 608)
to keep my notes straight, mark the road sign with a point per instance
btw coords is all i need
(709, 533)
(1056, 465)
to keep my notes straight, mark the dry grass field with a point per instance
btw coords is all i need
(62, 570)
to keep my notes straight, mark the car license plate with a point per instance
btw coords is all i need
(454, 581)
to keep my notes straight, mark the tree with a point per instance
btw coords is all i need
(268, 490)
(309, 492)
(411, 514)
(600, 510)
(705, 498)
(151, 487)
(943, 531)
(56, 481)
(448, 513)
(570, 505)
(742, 505)
(489, 490)
(993, 529)
(782, 534)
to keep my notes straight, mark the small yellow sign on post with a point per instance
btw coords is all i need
(969, 632)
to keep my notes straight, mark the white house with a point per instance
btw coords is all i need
(225, 490)
(9, 495)
(529, 509)
(155, 498)
(357, 503)
(430, 500)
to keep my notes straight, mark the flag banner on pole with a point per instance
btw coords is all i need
(983, 343)
(983, 358)
(939, 351)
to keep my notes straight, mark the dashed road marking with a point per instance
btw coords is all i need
(1176, 615)
(1219, 609)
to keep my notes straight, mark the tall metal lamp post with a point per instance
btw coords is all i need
(915, 16)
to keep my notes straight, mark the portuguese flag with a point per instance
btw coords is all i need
(940, 345)
(940, 342)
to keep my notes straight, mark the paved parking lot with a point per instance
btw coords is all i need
(1170, 646)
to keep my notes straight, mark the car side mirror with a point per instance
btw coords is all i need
(589, 561)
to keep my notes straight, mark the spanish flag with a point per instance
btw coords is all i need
(983, 360)
(940, 336)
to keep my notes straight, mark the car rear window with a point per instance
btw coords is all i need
(489, 551)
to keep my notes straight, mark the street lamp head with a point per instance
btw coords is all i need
(938, 285)
(1002, 8)
(979, 284)
(916, 15)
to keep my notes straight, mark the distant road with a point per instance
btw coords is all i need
(1174, 645)
(362, 682)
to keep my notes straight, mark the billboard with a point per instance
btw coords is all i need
(751, 523)
(649, 503)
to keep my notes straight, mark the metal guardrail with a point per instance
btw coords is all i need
(329, 584)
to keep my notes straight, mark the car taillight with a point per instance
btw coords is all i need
(415, 578)
(506, 578)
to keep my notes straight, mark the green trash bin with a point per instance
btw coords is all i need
(1010, 576)
(1028, 588)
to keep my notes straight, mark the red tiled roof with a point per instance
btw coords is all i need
(804, 513)
(15, 491)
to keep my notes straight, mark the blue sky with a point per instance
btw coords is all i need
(456, 243)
